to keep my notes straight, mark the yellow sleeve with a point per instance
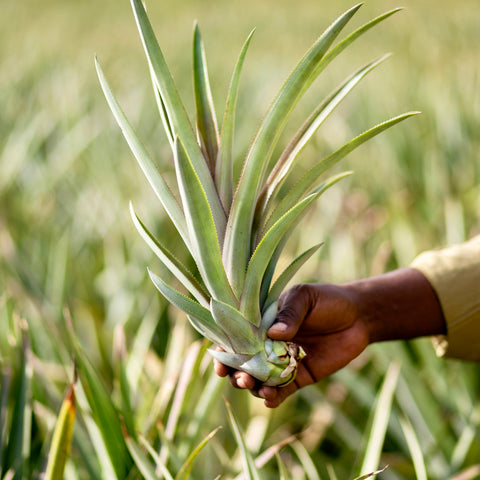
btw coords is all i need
(454, 273)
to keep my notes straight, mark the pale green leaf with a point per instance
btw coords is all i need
(285, 277)
(201, 318)
(177, 115)
(206, 118)
(224, 165)
(343, 44)
(144, 465)
(287, 160)
(162, 110)
(143, 158)
(381, 415)
(240, 332)
(171, 262)
(250, 300)
(249, 469)
(307, 182)
(238, 235)
(184, 472)
(204, 241)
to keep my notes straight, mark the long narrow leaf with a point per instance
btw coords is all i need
(224, 166)
(250, 304)
(381, 417)
(201, 228)
(269, 273)
(184, 472)
(238, 234)
(104, 413)
(285, 277)
(142, 462)
(287, 160)
(311, 177)
(241, 333)
(200, 317)
(143, 158)
(171, 262)
(62, 438)
(206, 118)
(250, 470)
(162, 110)
(176, 112)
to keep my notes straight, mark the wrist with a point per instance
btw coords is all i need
(399, 305)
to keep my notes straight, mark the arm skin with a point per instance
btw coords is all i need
(335, 323)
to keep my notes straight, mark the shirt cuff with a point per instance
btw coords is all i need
(454, 274)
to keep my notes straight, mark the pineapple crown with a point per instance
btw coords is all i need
(235, 229)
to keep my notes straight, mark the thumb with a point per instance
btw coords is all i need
(293, 306)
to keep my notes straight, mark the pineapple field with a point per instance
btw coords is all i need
(102, 376)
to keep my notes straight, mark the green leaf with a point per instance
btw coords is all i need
(282, 468)
(285, 277)
(184, 472)
(176, 113)
(171, 262)
(249, 469)
(224, 166)
(238, 234)
(143, 158)
(62, 438)
(287, 160)
(240, 332)
(342, 45)
(206, 118)
(311, 177)
(381, 415)
(162, 110)
(17, 448)
(144, 465)
(199, 316)
(250, 300)
(160, 466)
(205, 246)
(104, 412)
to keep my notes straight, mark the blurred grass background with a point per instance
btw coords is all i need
(66, 177)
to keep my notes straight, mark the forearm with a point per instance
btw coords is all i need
(399, 305)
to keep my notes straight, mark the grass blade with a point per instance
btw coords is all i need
(104, 414)
(381, 416)
(176, 112)
(311, 177)
(144, 160)
(415, 449)
(62, 438)
(171, 262)
(201, 228)
(206, 118)
(224, 166)
(141, 460)
(184, 472)
(250, 470)
(238, 234)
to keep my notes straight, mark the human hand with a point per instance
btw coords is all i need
(334, 324)
(325, 320)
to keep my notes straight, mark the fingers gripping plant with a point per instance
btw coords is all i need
(236, 230)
